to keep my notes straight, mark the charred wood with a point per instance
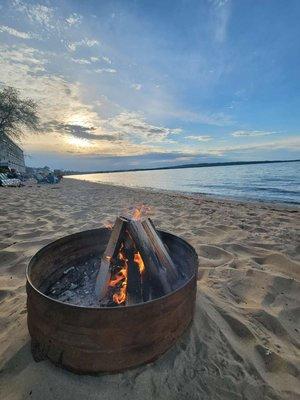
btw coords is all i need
(112, 248)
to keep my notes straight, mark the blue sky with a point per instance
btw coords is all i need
(126, 84)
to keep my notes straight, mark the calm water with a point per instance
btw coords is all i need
(265, 182)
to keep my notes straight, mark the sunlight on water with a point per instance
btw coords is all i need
(269, 182)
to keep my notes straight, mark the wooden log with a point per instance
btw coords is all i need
(138, 285)
(134, 283)
(112, 248)
(161, 251)
(155, 272)
(115, 237)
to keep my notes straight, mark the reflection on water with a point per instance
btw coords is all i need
(269, 182)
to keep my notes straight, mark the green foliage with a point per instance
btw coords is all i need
(16, 114)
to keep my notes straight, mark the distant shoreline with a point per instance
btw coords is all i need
(197, 165)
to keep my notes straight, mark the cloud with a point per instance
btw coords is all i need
(81, 61)
(106, 59)
(291, 143)
(88, 61)
(79, 131)
(251, 133)
(17, 61)
(109, 70)
(134, 125)
(72, 46)
(38, 13)
(74, 19)
(200, 138)
(203, 117)
(221, 10)
(18, 34)
(136, 86)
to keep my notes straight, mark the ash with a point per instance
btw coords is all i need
(77, 284)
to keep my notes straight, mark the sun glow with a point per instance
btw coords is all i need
(78, 142)
(79, 119)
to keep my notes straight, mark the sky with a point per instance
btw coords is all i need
(137, 84)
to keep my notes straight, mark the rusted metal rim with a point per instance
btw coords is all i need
(78, 234)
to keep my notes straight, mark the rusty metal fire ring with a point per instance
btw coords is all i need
(110, 339)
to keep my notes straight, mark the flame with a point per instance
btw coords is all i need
(137, 214)
(109, 225)
(118, 277)
(121, 277)
(120, 296)
(139, 211)
(139, 261)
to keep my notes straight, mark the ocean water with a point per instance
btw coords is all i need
(261, 182)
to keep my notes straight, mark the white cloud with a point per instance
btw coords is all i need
(221, 19)
(109, 70)
(136, 86)
(94, 59)
(72, 46)
(242, 133)
(200, 138)
(74, 19)
(291, 143)
(38, 13)
(134, 125)
(22, 57)
(18, 34)
(81, 61)
(91, 42)
(106, 59)
(207, 118)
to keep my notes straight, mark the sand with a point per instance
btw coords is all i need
(244, 341)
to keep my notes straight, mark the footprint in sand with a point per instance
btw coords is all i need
(211, 257)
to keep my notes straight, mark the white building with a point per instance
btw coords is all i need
(11, 155)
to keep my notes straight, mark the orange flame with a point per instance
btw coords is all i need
(121, 277)
(109, 225)
(139, 211)
(137, 214)
(139, 261)
(120, 296)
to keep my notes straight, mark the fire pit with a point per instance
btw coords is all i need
(108, 337)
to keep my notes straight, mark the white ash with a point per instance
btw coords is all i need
(77, 284)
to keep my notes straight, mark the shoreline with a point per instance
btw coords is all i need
(196, 195)
(244, 339)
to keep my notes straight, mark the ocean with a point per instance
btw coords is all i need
(278, 182)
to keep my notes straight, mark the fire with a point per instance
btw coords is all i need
(139, 261)
(109, 226)
(121, 276)
(139, 211)
(120, 297)
(137, 214)
(118, 277)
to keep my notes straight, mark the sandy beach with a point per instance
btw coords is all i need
(245, 339)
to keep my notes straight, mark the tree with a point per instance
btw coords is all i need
(16, 113)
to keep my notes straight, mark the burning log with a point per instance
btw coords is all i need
(134, 276)
(161, 251)
(136, 264)
(111, 250)
(155, 272)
